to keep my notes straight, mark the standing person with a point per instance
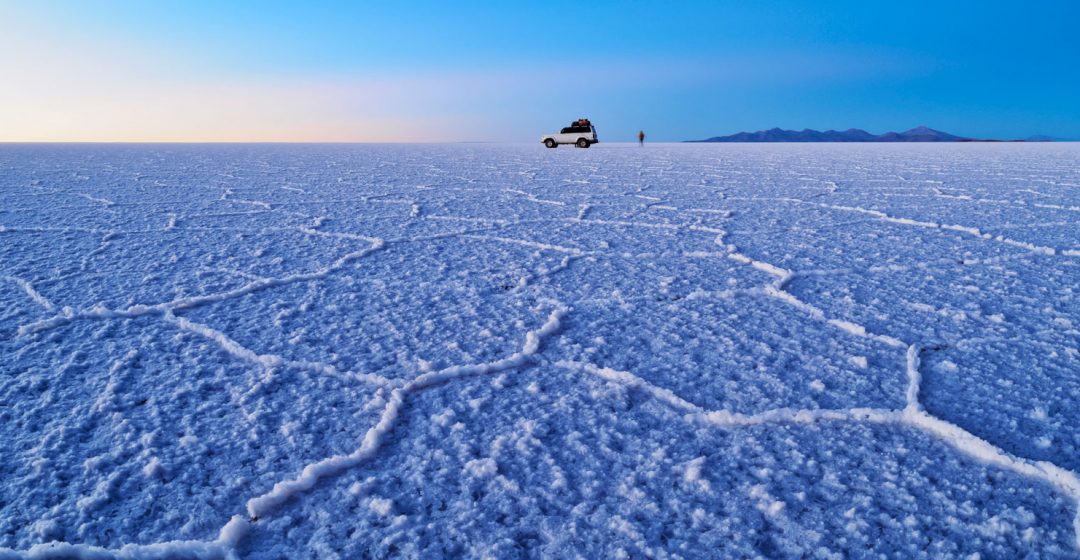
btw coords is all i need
(641, 138)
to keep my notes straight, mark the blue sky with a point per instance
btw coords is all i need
(439, 71)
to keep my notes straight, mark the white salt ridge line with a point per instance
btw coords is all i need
(139, 310)
(237, 273)
(722, 213)
(967, 230)
(444, 235)
(228, 215)
(101, 403)
(928, 265)
(626, 223)
(696, 295)
(334, 202)
(914, 378)
(630, 380)
(726, 419)
(1014, 203)
(489, 221)
(285, 490)
(544, 273)
(848, 327)
(102, 247)
(227, 344)
(270, 360)
(913, 414)
(932, 225)
(228, 193)
(337, 235)
(526, 243)
(934, 265)
(33, 293)
(790, 299)
(859, 330)
(1057, 207)
(776, 291)
(10, 229)
(707, 229)
(582, 221)
(222, 548)
(1032, 247)
(104, 201)
(962, 229)
(532, 198)
(1065, 481)
(330, 370)
(258, 203)
(563, 265)
(705, 254)
(783, 276)
(381, 199)
(646, 225)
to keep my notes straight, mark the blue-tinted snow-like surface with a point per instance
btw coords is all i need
(502, 351)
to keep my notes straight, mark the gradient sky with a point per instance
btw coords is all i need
(85, 70)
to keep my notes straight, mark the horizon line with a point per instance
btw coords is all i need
(437, 142)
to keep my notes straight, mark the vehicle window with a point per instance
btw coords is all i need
(566, 130)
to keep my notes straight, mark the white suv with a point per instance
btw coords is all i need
(580, 133)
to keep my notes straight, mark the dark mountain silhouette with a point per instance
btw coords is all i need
(917, 134)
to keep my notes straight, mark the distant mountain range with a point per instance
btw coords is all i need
(917, 134)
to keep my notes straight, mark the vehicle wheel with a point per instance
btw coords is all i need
(550, 143)
(582, 143)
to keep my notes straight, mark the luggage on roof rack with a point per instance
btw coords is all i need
(580, 133)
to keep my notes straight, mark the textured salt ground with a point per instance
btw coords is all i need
(531, 468)
(266, 351)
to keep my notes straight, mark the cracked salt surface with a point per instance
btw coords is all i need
(502, 351)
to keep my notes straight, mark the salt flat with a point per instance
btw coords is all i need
(677, 351)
